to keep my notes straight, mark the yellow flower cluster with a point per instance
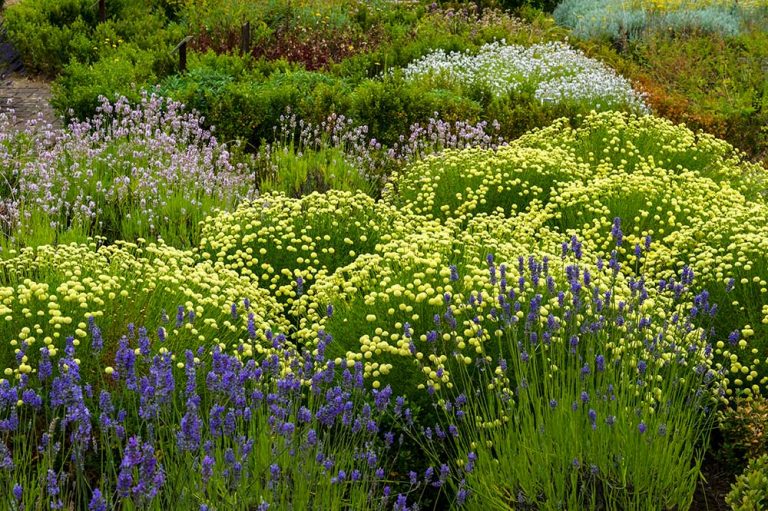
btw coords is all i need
(50, 293)
(385, 303)
(506, 181)
(384, 268)
(403, 284)
(278, 240)
(691, 194)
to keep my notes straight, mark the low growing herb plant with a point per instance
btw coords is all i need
(581, 405)
(199, 428)
(551, 72)
(146, 170)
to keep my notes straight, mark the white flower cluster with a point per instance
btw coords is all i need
(555, 72)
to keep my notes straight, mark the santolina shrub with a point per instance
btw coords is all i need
(665, 182)
(286, 243)
(50, 293)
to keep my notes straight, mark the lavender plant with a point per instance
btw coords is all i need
(306, 157)
(584, 399)
(523, 340)
(146, 170)
(438, 135)
(198, 429)
(339, 154)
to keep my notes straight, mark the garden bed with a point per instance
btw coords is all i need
(376, 255)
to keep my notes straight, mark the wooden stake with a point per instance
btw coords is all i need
(182, 48)
(245, 38)
(183, 57)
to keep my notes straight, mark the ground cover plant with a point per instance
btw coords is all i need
(749, 492)
(555, 73)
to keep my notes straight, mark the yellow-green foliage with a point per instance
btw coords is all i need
(699, 202)
(278, 240)
(611, 141)
(506, 181)
(750, 492)
(405, 282)
(49, 294)
(382, 265)
(384, 305)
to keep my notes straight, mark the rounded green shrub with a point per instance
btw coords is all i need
(750, 491)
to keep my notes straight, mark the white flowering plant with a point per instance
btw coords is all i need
(553, 73)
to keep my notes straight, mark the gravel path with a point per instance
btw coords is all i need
(27, 97)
